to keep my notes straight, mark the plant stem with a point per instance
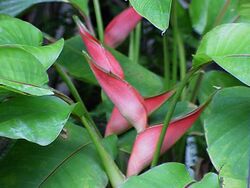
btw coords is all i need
(137, 43)
(115, 176)
(76, 95)
(175, 43)
(131, 46)
(166, 63)
(182, 59)
(196, 87)
(169, 115)
(98, 19)
(222, 13)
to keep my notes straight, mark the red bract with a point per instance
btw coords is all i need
(118, 124)
(146, 142)
(120, 27)
(110, 76)
(98, 53)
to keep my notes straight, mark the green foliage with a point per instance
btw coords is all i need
(14, 7)
(157, 12)
(232, 55)
(70, 161)
(227, 134)
(36, 119)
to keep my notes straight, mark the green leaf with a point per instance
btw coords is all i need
(15, 31)
(204, 14)
(166, 175)
(213, 80)
(14, 7)
(36, 119)
(227, 133)
(244, 8)
(142, 79)
(156, 11)
(70, 161)
(23, 35)
(21, 72)
(227, 45)
(209, 180)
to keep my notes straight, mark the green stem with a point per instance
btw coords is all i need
(166, 63)
(196, 87)
(169, 115)
(99, 19)
(175, 43)
(137, 42)
(76, 95)
(222, 13)
(115, 176)
(182, 59)
(131, 46)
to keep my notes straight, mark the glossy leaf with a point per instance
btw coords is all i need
(227, 133)
(145, 81)
(118, 124)
(213, 80)
(120, 27)
(143, 149)
(36, 119)
(21, 72)
(209, 180)
(21, 34)
(157, 12)
(70, 161)
(205, 14)
(14, 7)
(165, 175)
(228, 46)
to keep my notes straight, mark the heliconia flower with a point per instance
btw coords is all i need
(120, 27)
(118, 124)
(129, 102)
(110, 76)
(98, 53)
(146, 142)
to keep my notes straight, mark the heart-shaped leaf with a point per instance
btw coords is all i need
(157, 12)
(227, 45)
(227, 133)
(36, 119)
(208, 13)
(70, 161)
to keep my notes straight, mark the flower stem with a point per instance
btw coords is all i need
(169, 115)
(137, 42)
(76, 95)
(99, 19)
(131, 46)
(166, 63)
(115, 175)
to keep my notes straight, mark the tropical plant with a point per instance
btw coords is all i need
(176, 112)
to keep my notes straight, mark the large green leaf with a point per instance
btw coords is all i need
(70, 161)
(72, 59)
(210, 180)
(167, 175)
(14, 7)
(229, 46)
(204, 14)
(36, 119)
(21, 72)
(244, 8)
(156, 11)
(227, 131)
(23, 35)
(212, 81)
